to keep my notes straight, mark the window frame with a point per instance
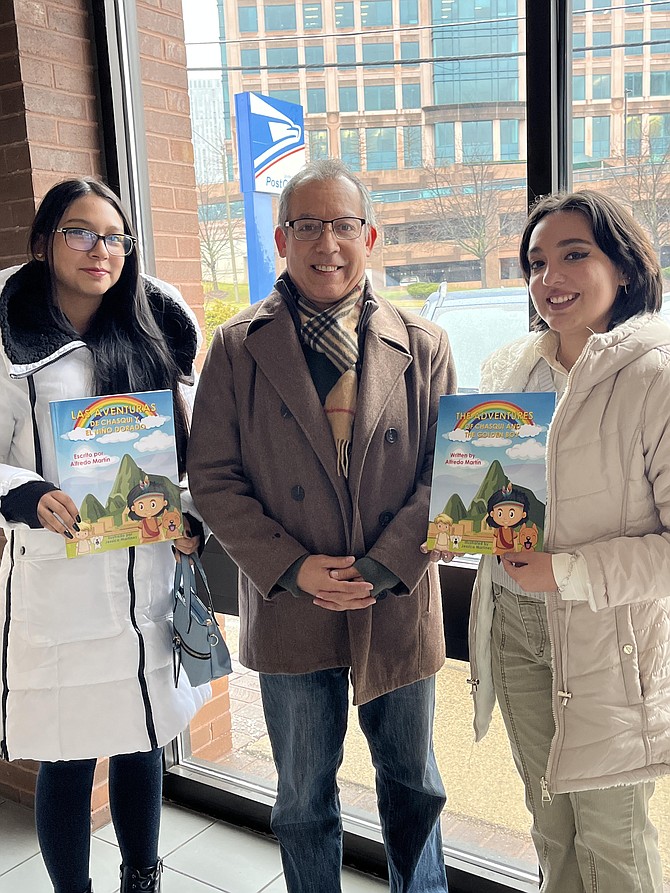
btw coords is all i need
(548, 115)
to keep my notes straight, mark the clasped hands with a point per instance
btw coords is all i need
(334, 583)
(533, 571)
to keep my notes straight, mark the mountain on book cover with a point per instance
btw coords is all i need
(489, 487)
(117, 459)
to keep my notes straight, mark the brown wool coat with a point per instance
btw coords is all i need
(262, 471)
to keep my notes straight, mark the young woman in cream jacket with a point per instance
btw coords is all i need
(574, 642)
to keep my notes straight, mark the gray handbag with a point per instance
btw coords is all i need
(198, 645)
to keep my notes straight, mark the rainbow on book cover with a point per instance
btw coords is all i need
(116, 457)
(489, 485)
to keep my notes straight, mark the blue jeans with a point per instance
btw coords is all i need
(306, 717)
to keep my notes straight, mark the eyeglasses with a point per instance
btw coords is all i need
(118, 244)
(309, 229)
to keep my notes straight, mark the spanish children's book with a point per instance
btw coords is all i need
(489, 487)
(117, 459)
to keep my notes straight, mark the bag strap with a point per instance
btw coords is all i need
(184, 580)
(197, 566)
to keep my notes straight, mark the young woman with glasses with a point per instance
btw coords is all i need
(86, 663)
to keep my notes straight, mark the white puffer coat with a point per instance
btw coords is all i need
(85, 644)
(608, 499)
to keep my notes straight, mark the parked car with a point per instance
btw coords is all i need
(482, 319)
(477, 322)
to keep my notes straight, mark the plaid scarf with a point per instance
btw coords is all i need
(334, 332)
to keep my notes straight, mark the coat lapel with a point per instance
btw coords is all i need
(386, 358)
(286, 371)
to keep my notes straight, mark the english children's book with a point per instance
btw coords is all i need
(117, 459)
(489, 486)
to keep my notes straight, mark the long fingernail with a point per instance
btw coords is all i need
(79, 518)
(75, 527)
(68, 534)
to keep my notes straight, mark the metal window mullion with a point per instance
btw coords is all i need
(119, 42)
(548, 32)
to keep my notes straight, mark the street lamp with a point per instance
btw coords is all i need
(626, 93)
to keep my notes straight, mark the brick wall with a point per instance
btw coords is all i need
(48, 122)
(169, 146)
(49, 130)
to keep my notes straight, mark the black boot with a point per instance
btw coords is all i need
(141, 880)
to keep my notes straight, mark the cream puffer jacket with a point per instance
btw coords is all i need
(608, 499)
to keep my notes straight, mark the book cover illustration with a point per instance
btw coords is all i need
(489, 486)
(117, 459)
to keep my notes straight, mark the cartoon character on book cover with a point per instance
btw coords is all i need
(117, 459)
(488, 491)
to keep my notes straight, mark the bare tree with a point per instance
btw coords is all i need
(642, 183)
(219, 233)
(470, 206)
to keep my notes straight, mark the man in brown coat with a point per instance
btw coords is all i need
(310, 459)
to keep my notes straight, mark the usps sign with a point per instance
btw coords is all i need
(270, 140)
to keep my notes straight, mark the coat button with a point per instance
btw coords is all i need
(285, 411)
(385, 518)
(391, 435)
(297, 493)
(627, 649)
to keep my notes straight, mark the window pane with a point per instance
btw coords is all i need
(411, 96)
(381, 148)
(248, 18)
(377, 52)
(409, 51)
(633, 38)
(409, 12)
(344, 15)
(602, 39)
(377, 98)
(314, 56)
(350, 148)
(660, 83)
(348, 99)
(601, 86)
(280, 18)
(316, 100)
(376, 13)
(278, 56)
(509, 140)
(286, 95)
(477, 140)
(346, 53)
(633, 83)
(578, 87)
(660, 41)
(251, 60)
(412, 146)
(311, 16)
(445, 144)
(317, 142)
(441, 144)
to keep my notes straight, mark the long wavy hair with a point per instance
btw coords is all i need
(619, 236)
(130, 352)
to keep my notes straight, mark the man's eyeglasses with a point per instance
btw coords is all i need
(309, 229)
(119, 244)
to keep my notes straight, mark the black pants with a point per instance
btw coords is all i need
(63, 814)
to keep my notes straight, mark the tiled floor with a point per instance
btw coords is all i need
(200, 855)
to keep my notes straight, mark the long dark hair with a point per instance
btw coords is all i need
(620, 237)
(130, 352)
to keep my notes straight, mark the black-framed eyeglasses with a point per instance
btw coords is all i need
(309, 229)
(119, 244)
